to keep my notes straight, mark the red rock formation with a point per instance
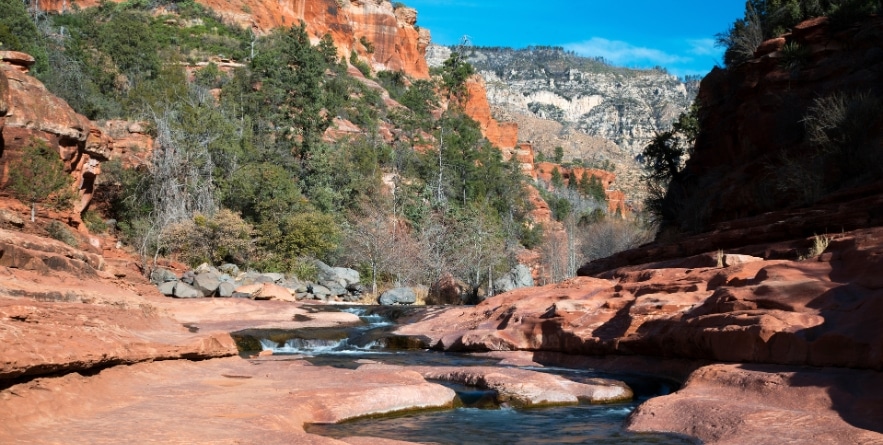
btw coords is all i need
(752, 117)
(397, 44)
(476, 106)
(32, 112)
(819, 312)
(738, 404)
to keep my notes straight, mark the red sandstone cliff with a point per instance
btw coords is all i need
(397, 42)
(754, 120)
(29, 111)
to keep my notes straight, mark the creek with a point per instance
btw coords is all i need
(478, 419)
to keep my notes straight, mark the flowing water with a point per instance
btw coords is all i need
(480, 420)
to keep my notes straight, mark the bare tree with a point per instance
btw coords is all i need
(372, 238)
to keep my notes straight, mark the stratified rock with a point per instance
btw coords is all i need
(400, 295)
(22, 61)
(819, 313)
(739, 404)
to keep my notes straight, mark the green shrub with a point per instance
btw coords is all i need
(222, 237)
(94, 222)
(39, 177)
(363, 67)
(60, 232)
(369, 47)
(794, 56)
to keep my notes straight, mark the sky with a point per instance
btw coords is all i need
(677, 35)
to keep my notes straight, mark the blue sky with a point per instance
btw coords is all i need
(678, 35)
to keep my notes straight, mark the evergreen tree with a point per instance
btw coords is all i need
(38, 175)
(557, 180)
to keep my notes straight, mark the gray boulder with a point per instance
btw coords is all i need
(357, 289)
(319, 290)
(275, 277)
(517, 278)
(351, 276)
(184, 290)
(160, 275)
(167, 288)
(335, 288)
(341, 275)
(226, 289)
(207, 283)
(399, 295)
(188, 277)
(229, 269)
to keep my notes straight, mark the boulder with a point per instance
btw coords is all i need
(517, 278)
(272, 291)
(188, 277)
(248, 290)
(351, 276)
(230, 269)
(357, 289)
(448, 290)
(273, 277)
(207, 283)
(334, 287)
(167, 288)
(341, 275)
(161, 275)
(184, 290)
(399, 295)
(11, 219)
(226, 289)
(319, 290)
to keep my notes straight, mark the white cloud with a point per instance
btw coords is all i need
(623, 53)
(704, 47)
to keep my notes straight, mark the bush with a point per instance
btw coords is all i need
(363, 67)
(794, 56)
(39, 177)
(60, 232)
(222, 237)
(94, 222)
(613, 235)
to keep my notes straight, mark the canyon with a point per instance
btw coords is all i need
(768, 318)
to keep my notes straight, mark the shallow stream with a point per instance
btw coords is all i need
(480, 420)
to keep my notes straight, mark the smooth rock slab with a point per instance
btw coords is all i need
(770, 405)
(522, 387)
(224, 401)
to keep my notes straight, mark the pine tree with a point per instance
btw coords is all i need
(37, 175)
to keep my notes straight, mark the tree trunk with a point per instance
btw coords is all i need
(33, 211)
(374, 278)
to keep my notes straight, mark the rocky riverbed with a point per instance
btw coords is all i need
(767, 350)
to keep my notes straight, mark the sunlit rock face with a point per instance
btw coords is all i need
(394, 42)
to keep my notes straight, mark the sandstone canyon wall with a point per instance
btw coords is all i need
(396, 43)
(755, 119)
